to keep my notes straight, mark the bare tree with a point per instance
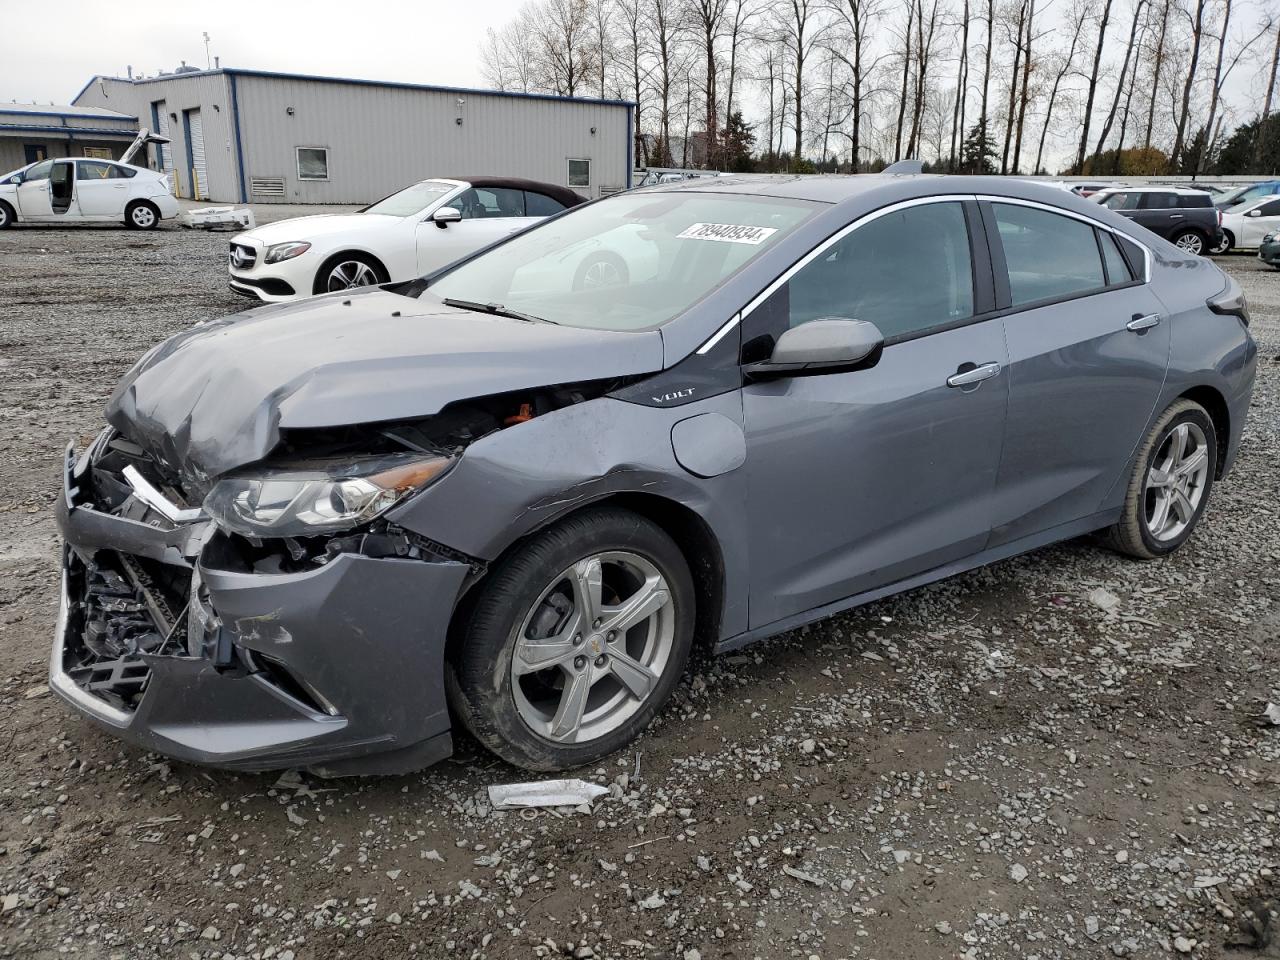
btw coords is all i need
(986, 67)
(1197, 36)
(744, 14)
(962, 88)
(562, 34)
(603, 37)
(799, 30)
(926, 27)
(852, 46)
(1266, 103)
(708, 17)
(1120, 84)
(906, 75)
(633, 21)
(1025, 96)
(1065, 66)
(507, 56)
(1093, 84)
(665, 33)
(1220, 77)
(1016, 36)
(1158, 64)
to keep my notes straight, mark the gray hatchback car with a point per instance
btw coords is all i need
(320, 534)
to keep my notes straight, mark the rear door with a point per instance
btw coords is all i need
(1160, 213)
(101, 189)
(1088, 350)
(859, 479)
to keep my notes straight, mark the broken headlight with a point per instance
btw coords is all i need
(307, 499)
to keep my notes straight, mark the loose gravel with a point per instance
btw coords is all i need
(1058, 756)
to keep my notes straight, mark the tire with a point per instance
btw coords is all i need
(601, 270)
(142, 215)
(1228, 241)
(1190, 241)
(7, 216)
(361, 270)
(1133, 533)
(516, 693)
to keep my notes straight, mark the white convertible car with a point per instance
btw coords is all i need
(86, 191)
(406, 235)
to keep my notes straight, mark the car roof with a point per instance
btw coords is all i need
(556, 192)
(1157, 188)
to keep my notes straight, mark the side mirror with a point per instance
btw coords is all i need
(16, 179)
(445, 216)
(1254, 213)
(821, 346)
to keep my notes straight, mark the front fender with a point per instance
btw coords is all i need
(519, 480)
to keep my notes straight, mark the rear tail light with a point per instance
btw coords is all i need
(1230, 302)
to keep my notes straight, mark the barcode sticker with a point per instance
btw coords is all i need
(727, 233)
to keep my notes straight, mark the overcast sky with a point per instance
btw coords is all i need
(50, 57)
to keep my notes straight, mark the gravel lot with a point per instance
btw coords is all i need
(995, 766)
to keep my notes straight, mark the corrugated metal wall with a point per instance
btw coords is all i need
(207, 92)
(380, 138)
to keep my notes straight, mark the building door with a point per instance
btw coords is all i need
(195, 154)
(160, 125)
(35, 152)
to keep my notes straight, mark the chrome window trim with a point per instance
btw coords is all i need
(844, 231)
(1049, 208)
(719, 334)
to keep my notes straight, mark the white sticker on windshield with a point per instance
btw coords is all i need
(727, 233)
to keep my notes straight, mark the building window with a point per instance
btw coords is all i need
(313, 163)
(98, 153)
(579, 173)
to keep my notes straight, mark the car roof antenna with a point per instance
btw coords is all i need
(904, 168)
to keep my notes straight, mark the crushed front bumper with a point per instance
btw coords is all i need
(338, 667)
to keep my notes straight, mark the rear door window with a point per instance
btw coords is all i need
(1117, 267)
(1159, 201)
(1048, 256)
(1122, 201)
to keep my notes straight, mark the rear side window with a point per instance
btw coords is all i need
(1117, 269)
(481, 203)
(1122, 201)
(1271, 209)
(1048, 256)
(1195, 200)
(874, 274)
(98, 170)
(1159, 201)
(540, 205)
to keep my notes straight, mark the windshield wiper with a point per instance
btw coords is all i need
(494, 309)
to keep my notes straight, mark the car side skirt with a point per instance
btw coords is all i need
(1004, 551)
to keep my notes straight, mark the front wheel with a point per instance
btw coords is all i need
(1190, 241)
(348, 271)
(1170, 485)
(6, 215)
(576, 642)
(142, 215)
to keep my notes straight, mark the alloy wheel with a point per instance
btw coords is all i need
(350, 274)
(143, 216)
(593, 648)
(1191, 243)
(1176, 481)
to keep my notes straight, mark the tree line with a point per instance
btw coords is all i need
(1109, 87)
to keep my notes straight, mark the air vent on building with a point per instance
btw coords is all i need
(266, 186)
(609, 191)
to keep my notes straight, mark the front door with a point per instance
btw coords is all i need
(1088, 350)
(488, 215)
(1258, 223)
(34, 200)
(860, 479)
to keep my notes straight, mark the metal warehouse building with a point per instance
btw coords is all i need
(253, 136)
(31, 132)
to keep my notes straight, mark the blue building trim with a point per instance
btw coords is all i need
(631, 142)
(392, 84)
(90, 131)
(191, 160)
(155, 128)
(235, 127)
(63, 115)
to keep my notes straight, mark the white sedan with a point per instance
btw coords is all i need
(86, 191)
(1243, 227)
(408, 234)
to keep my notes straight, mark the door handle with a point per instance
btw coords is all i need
(968, 378)
(1140, 323)
(1175, 216)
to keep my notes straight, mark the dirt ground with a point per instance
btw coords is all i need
(1054, 757)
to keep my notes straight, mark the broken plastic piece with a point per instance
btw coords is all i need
(547, 793)
(1270, 716)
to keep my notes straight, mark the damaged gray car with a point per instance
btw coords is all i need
(515, 494)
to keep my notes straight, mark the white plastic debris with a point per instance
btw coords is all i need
(1104, 599)
(545, 793)
(1270, 716)
(209, 218)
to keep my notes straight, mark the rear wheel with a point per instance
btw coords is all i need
(1190, 241)
(1170, 486)
(1224, 245)
(142, 215)
(576, 642)
(347, 271)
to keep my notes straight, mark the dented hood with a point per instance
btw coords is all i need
(217, 396)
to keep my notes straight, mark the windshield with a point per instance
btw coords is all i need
(629, 262)
(412, 199)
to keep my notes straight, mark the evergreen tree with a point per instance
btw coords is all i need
(979, 153)
(736, 141)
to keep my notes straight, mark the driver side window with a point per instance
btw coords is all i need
(874, 274)
(39, 172)
(477, 203)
